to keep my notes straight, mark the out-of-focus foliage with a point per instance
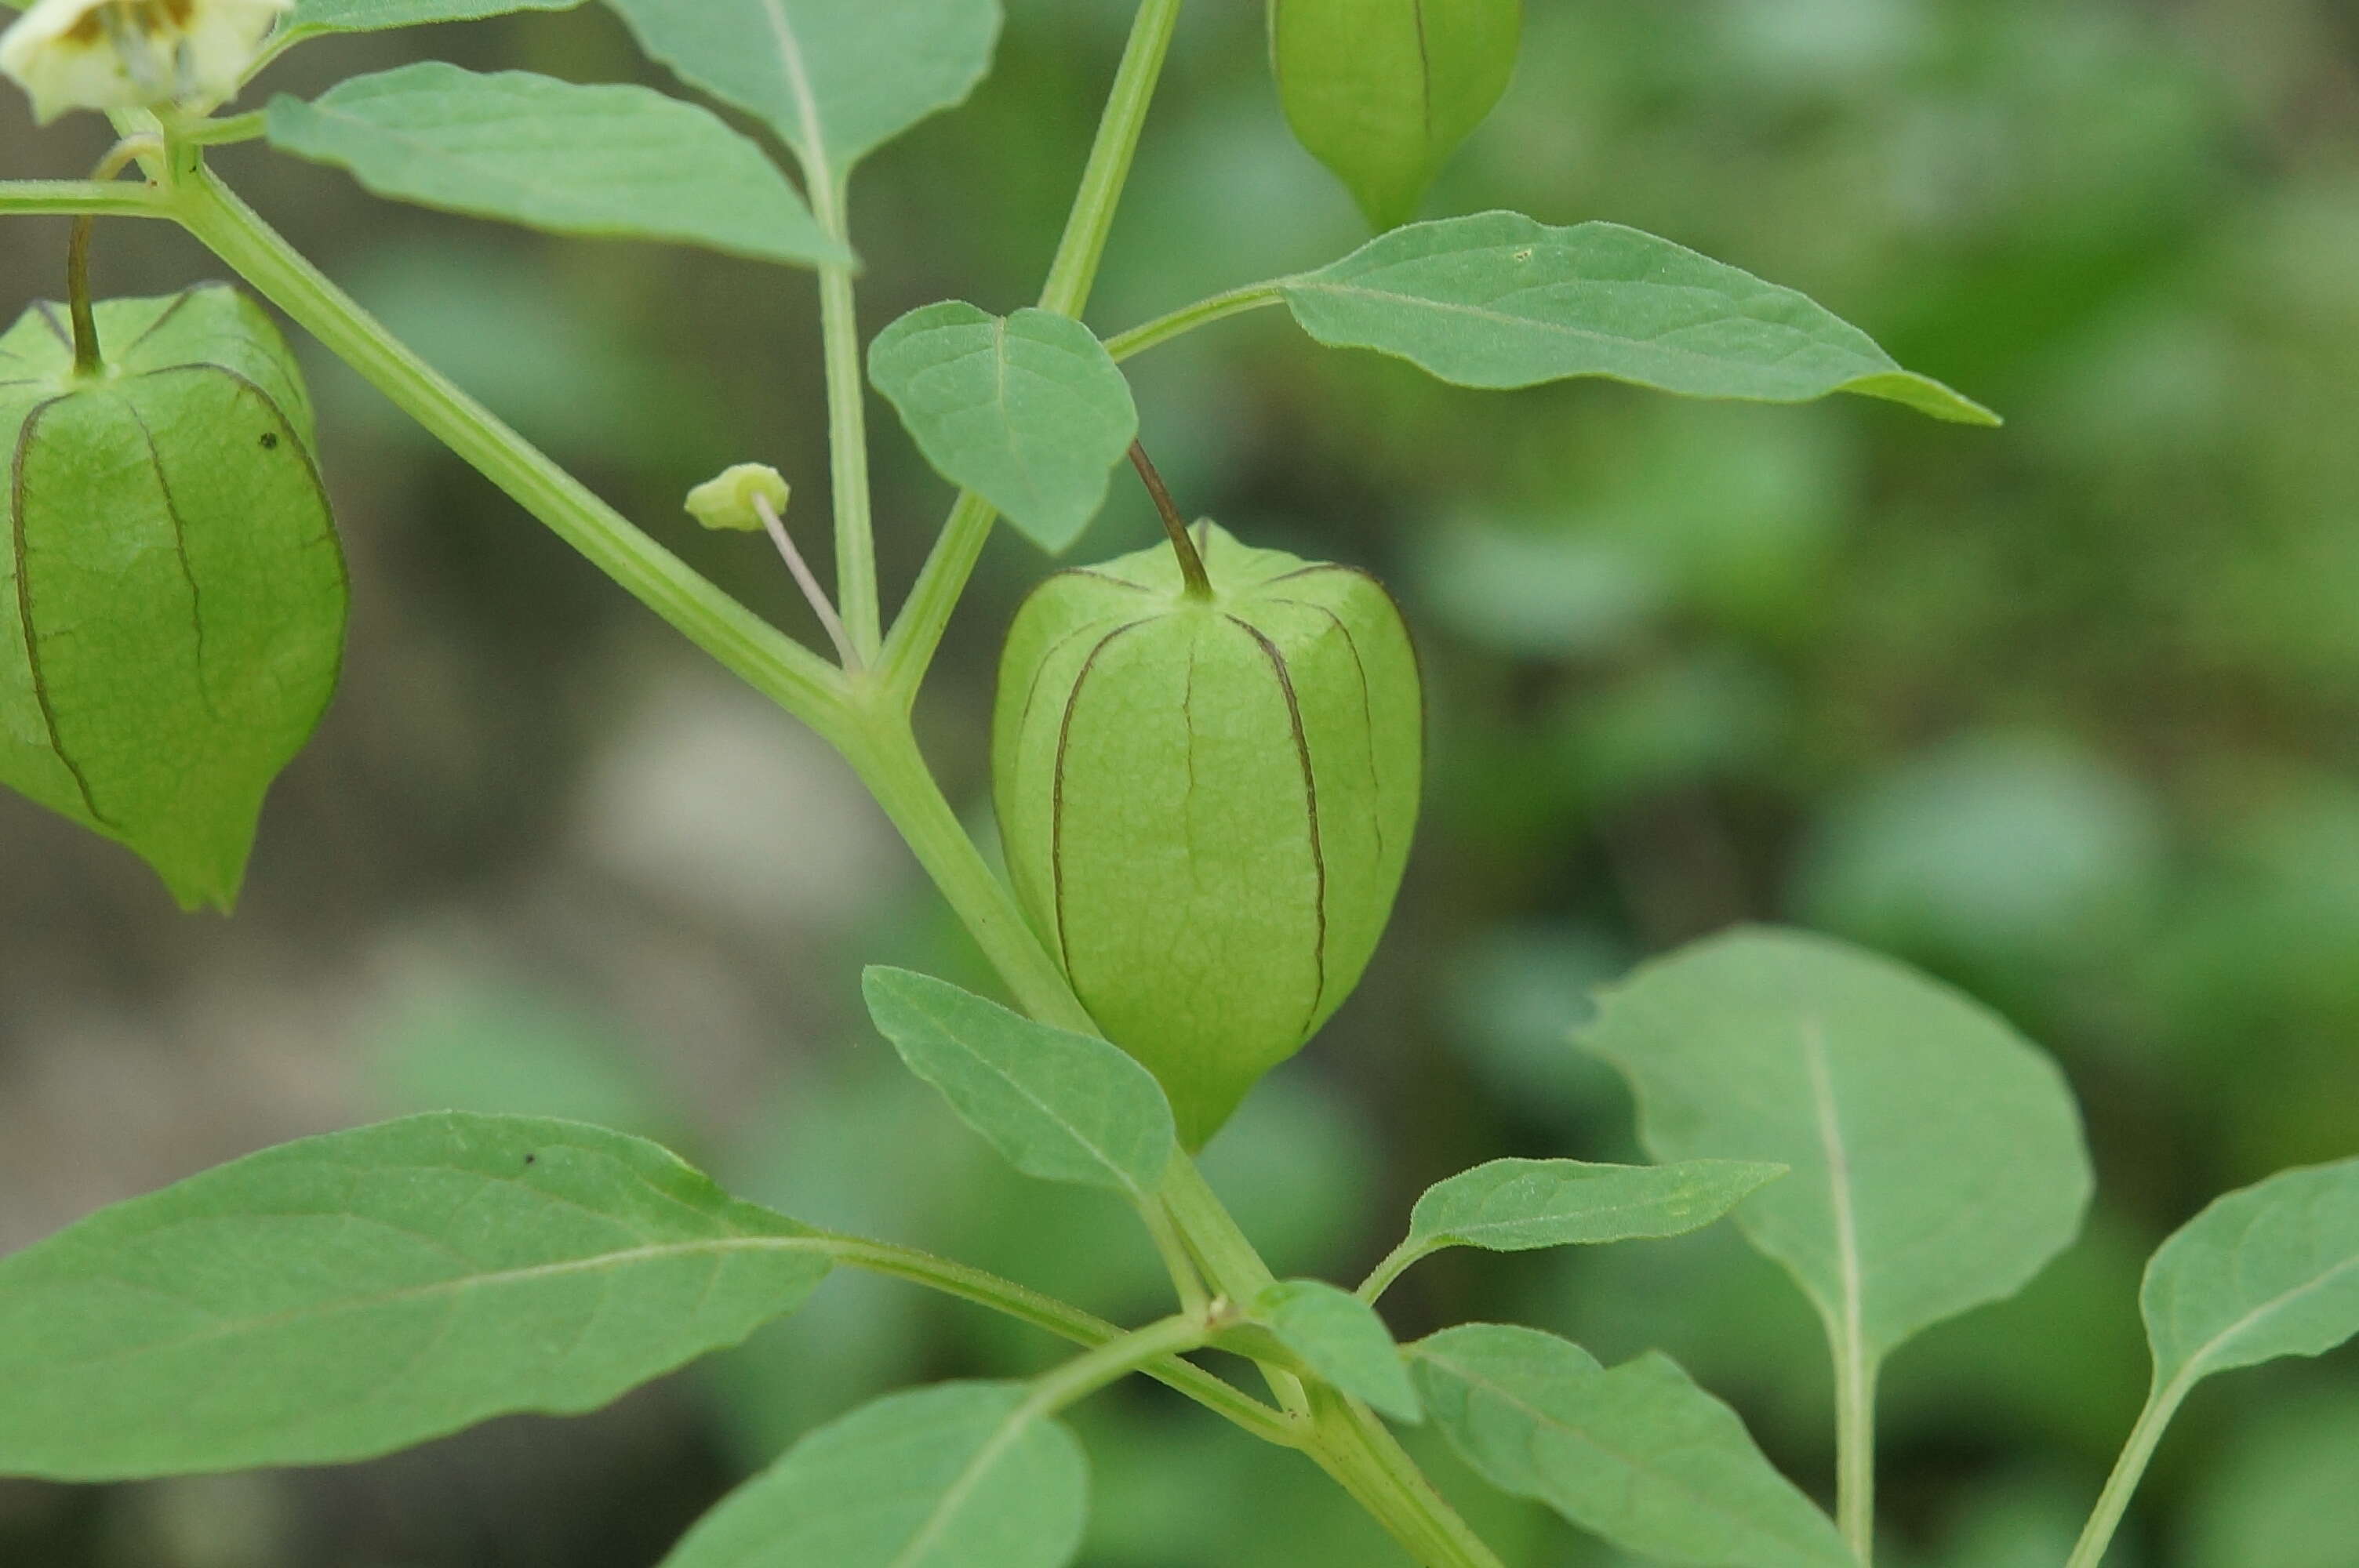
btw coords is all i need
(2068, 712)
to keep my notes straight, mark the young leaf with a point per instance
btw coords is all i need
(959, 1476)
(2267, 1271)
(1515, 1205)
(1027, 411)
(1937, 1156)
(1062, 1107)
(836, 81)
(1340, 1336)
(349, 1295)
(618, 162)
(312, 17)
(172, 595)
(1639, 1454)
(1382, 92)
(1500, 300)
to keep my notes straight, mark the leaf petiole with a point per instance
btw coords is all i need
(1203, 313)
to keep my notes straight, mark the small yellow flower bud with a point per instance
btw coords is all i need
(131, 54)
(728, 501)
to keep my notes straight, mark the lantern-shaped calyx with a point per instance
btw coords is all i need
(1207, 795)
(172, 593)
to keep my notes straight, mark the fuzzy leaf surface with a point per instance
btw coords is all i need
(957, 1476)
(837, 78)
(1028, 411)
(2269, 1270)
(349, 1295)
(1059, 1106)
(1638, 1453)
(615, 162)
(1498, 300)
(1516, 1205)
(1341, 1338)
(1937, 1155)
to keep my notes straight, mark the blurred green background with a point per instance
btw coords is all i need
(2067, 713)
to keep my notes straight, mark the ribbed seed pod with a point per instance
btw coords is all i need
(172, 595)
(1207, 801)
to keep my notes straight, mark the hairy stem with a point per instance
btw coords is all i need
(2161, 1404)
(769, 659)
(1392, 1267)
(917, 631)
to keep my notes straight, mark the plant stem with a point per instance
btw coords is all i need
(1203, 313)
(1192, 564)
(884, 753)
(1087, 1373)
(1855, 1451)
(847, 429)
(88, 361)
(917, 631)
(52, 198)
(1394, 1264)
(769, 659)
(1185, 1280)
(225, 132)
(2161, 1404)
(1351, 1444)
(1056, 1317)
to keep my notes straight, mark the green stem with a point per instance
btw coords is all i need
(225, 132)
(769, 659)
(1855, 1451)
(2161, 1404)
(1182, 1264)
(1024, 1305)
(1351, 1444)
(1203, 313)
(1236, 1270)
(40, 198)
(1087, 1373)
(847, 430)
(917, 631)
(1394, 1264)
(884, 753)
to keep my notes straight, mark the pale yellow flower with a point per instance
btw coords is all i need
(129, 54)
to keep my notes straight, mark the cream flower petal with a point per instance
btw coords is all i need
(121, 54)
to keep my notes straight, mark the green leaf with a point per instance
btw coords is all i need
(1382, 92)
(1639, 1455)
(1937, 1155)
(172, 595)
(2267, 1271)
(960, 1476)
(349, 1295)
(618, 162)
(836, 81)
(312, 17)
(1027, 411)
(1339, 1337)
(1500, 300)
(1059, 1106)
(1516, 1205)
